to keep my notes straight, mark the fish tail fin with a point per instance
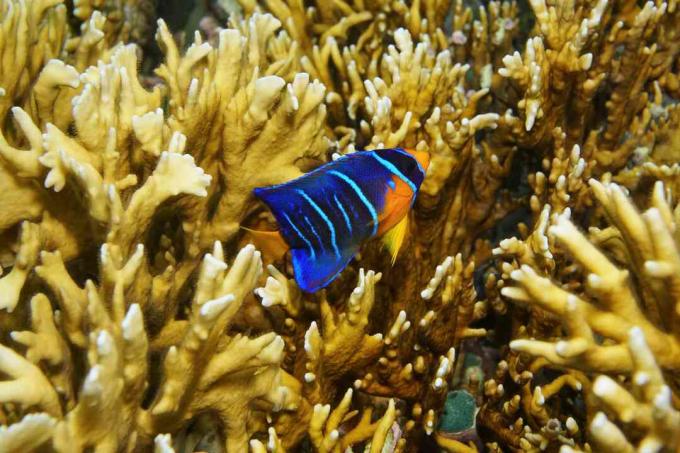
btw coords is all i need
(271, 243)
(394, 238)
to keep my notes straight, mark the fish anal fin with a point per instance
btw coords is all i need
(270, 243)
(394, 238)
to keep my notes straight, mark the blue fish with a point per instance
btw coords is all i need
(324, 216)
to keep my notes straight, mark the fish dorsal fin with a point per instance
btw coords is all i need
(394, 238)
(271, 243)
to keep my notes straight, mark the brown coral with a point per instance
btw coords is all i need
(123, 196)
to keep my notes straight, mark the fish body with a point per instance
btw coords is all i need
(325, 215)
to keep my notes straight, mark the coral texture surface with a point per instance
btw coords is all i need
(534, 305)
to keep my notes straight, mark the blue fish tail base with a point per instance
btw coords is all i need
(314, 273)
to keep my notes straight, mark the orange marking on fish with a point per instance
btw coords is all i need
(422, 157)
(271, 243)
(397, 205)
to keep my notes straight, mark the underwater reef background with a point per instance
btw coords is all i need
(535, 305)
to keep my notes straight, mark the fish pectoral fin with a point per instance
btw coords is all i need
(270, 243)
(394, 238)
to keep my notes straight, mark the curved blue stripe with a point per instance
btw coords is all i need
(420, 167)
(302, 236)
(325, 218)
(395, 171)
(314, 232)
(344, 213)
(361, 195)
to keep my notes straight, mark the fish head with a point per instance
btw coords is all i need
(412, 164)
(422, 157)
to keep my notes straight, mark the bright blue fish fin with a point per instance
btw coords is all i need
(314, 273)
(279, 202)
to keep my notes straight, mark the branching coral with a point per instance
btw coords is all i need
(409, 362)
(123, 195)
(24, 24)
(529, 416)
(198, 372)
(99, 172)
(644, 243)
(125, 20)
(325, 425)
(651, 412)
(237, 119)
(626, 303)
(122, 181)
(342, 44)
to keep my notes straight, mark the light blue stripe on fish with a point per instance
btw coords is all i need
(325, 218)
(395, 171)
(420, 167)
(314, 232)
(344, 213)
(360, 194)
(302, 236)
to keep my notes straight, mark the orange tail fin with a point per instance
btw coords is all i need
(270, 243)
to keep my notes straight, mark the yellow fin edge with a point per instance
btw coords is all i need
(394, 238)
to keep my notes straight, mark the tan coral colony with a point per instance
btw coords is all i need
(534, 305)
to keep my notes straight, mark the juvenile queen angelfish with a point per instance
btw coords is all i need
(325, 215)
